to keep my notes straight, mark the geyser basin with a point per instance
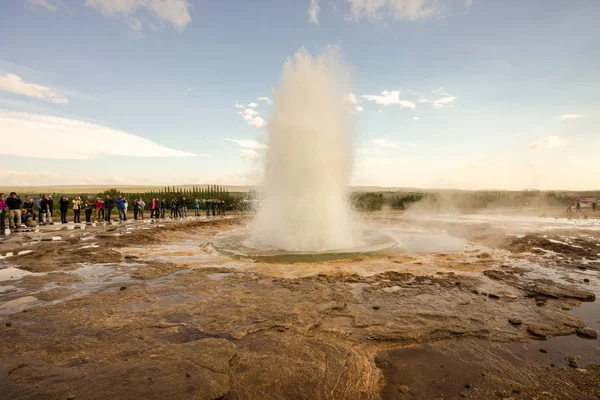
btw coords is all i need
(242, 245)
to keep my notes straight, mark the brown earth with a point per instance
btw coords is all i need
(150, 311)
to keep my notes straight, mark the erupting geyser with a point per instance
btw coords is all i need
(304, 212)
(304, 203)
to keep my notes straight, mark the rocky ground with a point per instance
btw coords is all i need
(465, 308)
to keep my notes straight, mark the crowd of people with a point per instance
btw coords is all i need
(577, 203)
(31, 213)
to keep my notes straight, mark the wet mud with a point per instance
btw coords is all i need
(460, 309)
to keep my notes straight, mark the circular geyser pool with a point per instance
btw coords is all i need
(241, 245)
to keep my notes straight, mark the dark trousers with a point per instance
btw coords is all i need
(135, 213)
(63, 215)
(162, 212)
(88, 215)
(207, 211)
(107, 212)
(213, 210)
(2, 223)
(77, 216)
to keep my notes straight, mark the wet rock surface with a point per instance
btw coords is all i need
(150, 311)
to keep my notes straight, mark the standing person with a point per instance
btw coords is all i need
(121, 208)
(76, 209)
(135, 209)
(163, 208)
(99, 206)
(222, 207)
(213, 207)
(89, 207)
(44, 210)
(50, 211)
(593, 206)
(108, 206)
(141, 205)
(174, 208)
(38, 205)
(3, 208)
(207, 206)
(183, 213)
(578, 205)
(28, 205)
(64, 207)
(570, 206)
(152, 207)
(14, 210)
(196, 208)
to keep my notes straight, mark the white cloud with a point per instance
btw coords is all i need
(174, 12)
(252, 105)
(443, 101)
(14, 84)
(265, 99)
(385, 143)
(549, 142)
(238, 105)
(416, 118)
(248, 154)
(249, 112)
(376, 10)
(313, 12)
(249, 144)
(570, 116)
(43, 3)
(65, 138)
(350, 99)
(390, 97)
(251, 116)
(468, 3)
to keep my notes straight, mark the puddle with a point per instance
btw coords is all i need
(98, 277)
(432, 242)
(219, 276)
(7, 288)
(17, 305)
(13, 274)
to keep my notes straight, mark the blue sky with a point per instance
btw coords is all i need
(492, 94)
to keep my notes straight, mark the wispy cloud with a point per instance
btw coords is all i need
(441, 98)
(247, 143)
(252, 105)
(385, 143)
(388, 97)
(238, 105)
(313, 12)
(549, 142)
(61, 138)
(265, 99)
(377, 10)
(570, 116)
(173, 12)
(15, 84)
(43, 3)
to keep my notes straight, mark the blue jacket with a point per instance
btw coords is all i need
(120, 204)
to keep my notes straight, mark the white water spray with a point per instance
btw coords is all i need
(304, 205)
